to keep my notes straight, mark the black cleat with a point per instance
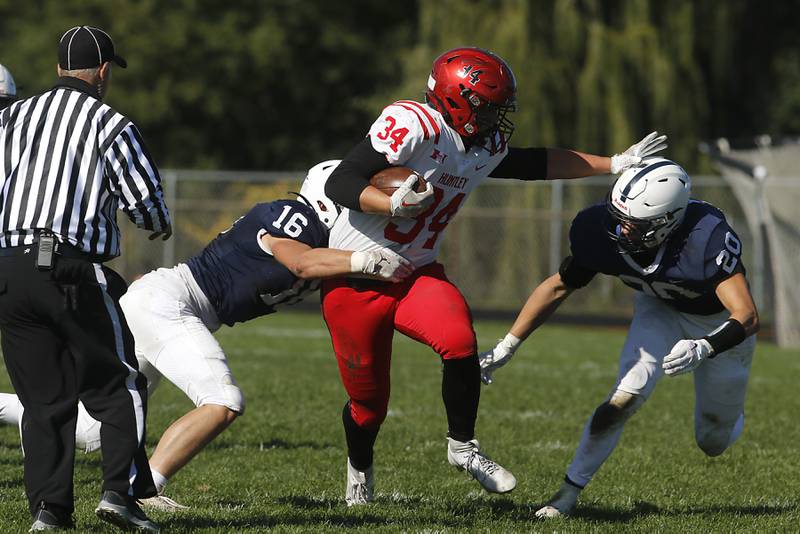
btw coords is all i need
(47, 518)
(123, 511)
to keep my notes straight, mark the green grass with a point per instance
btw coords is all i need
(282, 465)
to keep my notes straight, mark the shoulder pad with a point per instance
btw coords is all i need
(291, 219)
(401, 128)
(588, 230)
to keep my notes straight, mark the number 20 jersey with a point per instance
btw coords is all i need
(415, 135)
(703, 251)
(243, 281)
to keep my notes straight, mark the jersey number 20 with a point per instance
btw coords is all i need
(729, 256)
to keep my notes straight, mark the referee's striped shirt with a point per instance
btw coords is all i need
(67, 161)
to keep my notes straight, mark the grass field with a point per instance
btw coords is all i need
(282, 465)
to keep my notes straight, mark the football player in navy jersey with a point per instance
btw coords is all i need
(272, 256)
(693, 311)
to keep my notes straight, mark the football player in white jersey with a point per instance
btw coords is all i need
(455, 140)
(693, 312)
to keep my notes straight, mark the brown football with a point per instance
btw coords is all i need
(389, 179)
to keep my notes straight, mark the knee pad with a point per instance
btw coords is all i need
(459, 344)
(615, 411)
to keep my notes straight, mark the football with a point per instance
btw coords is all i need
(389, 179)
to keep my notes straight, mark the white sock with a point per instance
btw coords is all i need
(10, 409)
(159, 480)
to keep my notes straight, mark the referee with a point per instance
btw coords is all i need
(67, 162)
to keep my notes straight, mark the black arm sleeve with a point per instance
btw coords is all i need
(351, 177)
(523, 164)
(574, 275)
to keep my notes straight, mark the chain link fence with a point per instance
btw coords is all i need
(507, 237)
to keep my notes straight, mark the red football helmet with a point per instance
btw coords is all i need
(473, 89)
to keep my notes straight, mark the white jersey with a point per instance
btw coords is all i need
(415, 135)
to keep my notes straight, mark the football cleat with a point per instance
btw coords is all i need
(122, 511)
(360, 486)
(489, 474)
(162, 503)
(560, 504)
(48, 519)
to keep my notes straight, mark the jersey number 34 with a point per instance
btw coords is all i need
(438, 221)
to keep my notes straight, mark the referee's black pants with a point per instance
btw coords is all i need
(64, 338)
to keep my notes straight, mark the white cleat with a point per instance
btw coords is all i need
(548, 512)
(491, 475)
(163, 504)
(561, 504)
(360, 486)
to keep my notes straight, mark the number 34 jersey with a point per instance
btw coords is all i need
(241, 279)
(687, 267)
(415, 135)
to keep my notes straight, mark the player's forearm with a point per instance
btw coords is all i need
(541, 304)
(372, 200)
(321, 263)
(564, 164)
(748, 318)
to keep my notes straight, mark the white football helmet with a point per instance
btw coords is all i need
(312, 192)
(8, 89)
(647, 203)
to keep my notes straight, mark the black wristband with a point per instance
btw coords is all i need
(728, 335)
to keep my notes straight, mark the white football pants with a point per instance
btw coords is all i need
(720, 383)
(172, 323)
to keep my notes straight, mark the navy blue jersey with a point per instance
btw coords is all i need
(240, 279)
(687, 267)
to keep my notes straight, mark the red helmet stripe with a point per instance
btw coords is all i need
(436, 130)
(419, 118)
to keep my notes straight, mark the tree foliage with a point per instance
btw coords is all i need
(281, 83)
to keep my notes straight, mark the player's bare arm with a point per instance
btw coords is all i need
(309, 263)
(541, 304)
(734, 293)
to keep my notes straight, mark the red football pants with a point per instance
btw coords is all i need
(362, 320)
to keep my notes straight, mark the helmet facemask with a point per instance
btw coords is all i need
(636, 235)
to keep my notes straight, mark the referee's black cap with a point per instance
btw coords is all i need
(86, 47)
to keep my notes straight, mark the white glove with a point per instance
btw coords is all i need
(648, 146)
(491, 360)
(381, 264)
(686, 355)
(408, 203)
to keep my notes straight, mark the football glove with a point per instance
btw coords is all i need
(381, 264)
(648, 146)
(491, 360)
(408, 203)
(686, 355)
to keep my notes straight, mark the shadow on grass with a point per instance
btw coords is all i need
(272, 444)
(642, 509)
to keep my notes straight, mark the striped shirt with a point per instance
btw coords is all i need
(67, 162)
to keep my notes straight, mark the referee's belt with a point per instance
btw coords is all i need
(65, 250)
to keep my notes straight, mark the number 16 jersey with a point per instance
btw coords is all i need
(415, 135)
